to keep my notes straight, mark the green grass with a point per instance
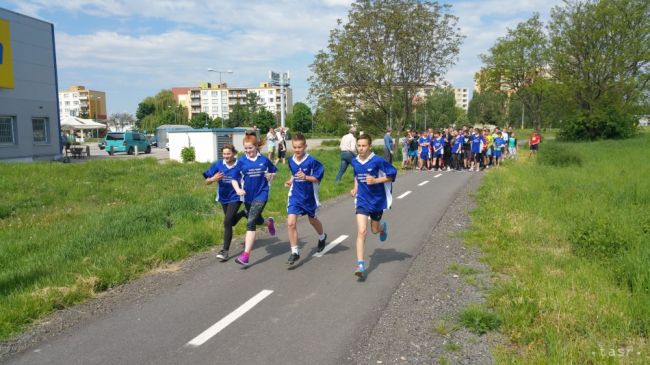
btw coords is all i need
(68, 231)
(478, 319)
(568, 236)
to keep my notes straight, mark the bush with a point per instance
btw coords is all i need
(330, 143)
(599, 125)
(188, 154)
(478, 319)
(559, 155)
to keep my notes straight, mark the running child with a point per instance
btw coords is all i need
(226, 173)
(534, 144)
(306, 175)
(256, 173)
(512, 146)
(373, 178)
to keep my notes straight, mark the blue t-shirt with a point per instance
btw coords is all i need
(303, 193)
(388, 142)
(458, 145)
(376, 197)
(476, 143)
(424, 142)
(499, 142)
(438, 145)
(253, 177)
(225, 192)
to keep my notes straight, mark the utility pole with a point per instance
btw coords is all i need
(282, 80)
(522, 115)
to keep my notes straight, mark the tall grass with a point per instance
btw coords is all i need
(70, 230)
(568, 235)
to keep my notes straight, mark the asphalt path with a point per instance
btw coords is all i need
(312, 313)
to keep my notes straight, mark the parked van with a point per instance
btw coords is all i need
(126, 142)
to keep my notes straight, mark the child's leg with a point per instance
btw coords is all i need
(362, 230)
(316, 223)
(375, 227)
(292, 231)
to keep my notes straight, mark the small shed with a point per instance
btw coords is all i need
(207, 142)
(161, 133)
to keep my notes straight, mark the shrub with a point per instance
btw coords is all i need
(609, 123)
(330, 143)
(188, 154)
(478, 319)
(559, 155)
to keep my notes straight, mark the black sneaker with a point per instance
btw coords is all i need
(293, 258)
(321, 243)
(223, 255)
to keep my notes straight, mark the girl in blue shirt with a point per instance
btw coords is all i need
(224, 172)
(373, 178)
(257, 172)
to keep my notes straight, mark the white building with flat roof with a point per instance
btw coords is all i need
(29, 113)
(462, 98)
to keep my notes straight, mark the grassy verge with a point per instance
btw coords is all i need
(567, 235)
(70, 230)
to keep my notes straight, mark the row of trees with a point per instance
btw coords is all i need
(586, 71)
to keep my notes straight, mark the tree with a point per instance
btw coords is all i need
(331, 117)
(263, 119)
(200, 120)
(146, 107)
(238, 117)
(601, 53)
(515, 62)
(439, 108)
(252, 103)
(301, 118)
(120, 121)
(385, 47)
(488, 107)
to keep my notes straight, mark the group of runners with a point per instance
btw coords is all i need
(469, 149)
(246, 180)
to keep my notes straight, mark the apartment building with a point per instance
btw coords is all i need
(218, 100)
(462, 98)
(78, 101)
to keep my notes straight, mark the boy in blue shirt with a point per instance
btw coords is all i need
(256, 173)
(457, 150)
(423, 142)
(499, 145)
(477, 141)
(306, 175)
(224, 172)
(438, 150)
(373, 178)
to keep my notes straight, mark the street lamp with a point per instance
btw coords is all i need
(220, 72)
(96, 109)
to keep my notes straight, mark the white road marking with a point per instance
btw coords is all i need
(424, 182)
(332, 244)
(403, 195)
(227, 320)
(438, 175)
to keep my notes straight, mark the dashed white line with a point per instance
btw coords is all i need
(332, 244)
(227, 320)
(424, 182)
(438, 175)
(405, 194)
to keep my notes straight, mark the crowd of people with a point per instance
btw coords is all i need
(246, 180)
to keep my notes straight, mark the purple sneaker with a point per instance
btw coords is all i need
(271, 226)
(242, 259)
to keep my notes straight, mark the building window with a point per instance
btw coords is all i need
(7, 130)
(215, 94)
(40, 130)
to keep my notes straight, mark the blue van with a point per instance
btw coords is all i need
(126, 142)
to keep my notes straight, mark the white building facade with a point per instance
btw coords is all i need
(462, 98)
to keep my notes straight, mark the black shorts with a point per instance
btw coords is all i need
(476, 156)
(375, 216)
(533, 147)
(282, 154)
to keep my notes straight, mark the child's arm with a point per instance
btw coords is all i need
(238, 190)
(353, 192)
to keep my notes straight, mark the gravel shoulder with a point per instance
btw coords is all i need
(420, 325)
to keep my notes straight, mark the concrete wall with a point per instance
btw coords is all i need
(204, 141)
(35, 91)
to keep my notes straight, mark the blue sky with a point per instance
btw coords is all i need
(133, 49)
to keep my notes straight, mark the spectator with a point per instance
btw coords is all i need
(388, 146)
(348, 148)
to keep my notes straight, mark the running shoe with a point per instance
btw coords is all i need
(223, 255)
(384, 231)
(321, 243)
(293, 258)
(360, 272)
(242, 260)
(271, 226)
